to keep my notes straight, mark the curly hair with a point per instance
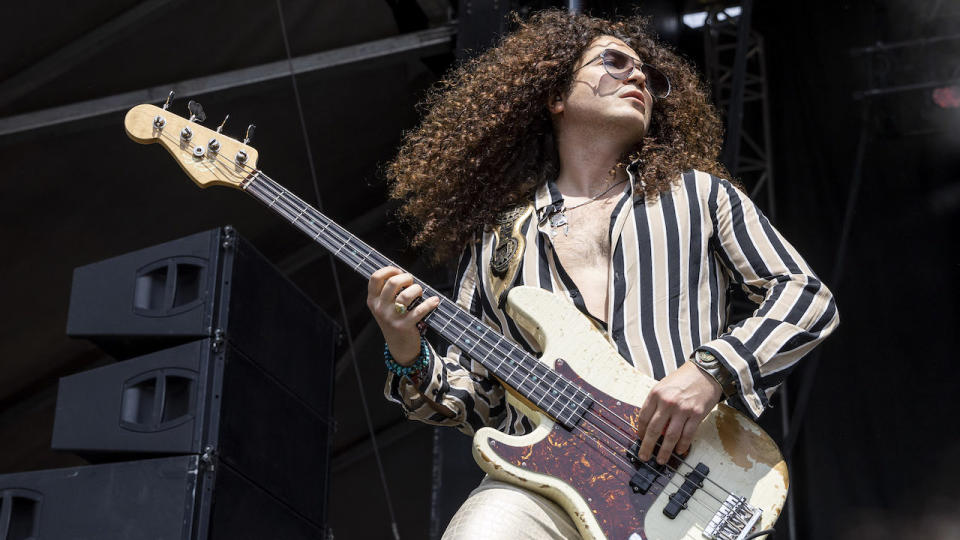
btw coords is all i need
(486, 141)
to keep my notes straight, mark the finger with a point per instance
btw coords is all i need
(686, 438)
(377, 280)
(670, 438)
(650, 436)
(646, 413)
(425, 308)
(409, 294)
(393, 286)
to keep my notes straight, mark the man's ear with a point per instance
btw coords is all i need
(555, 104)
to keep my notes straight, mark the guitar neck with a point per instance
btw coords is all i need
(509, 363)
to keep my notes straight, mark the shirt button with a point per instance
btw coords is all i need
(574, 294)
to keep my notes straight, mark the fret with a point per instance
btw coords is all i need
(446, 321)
(555, 393)
(274, 200)
(515, 366)
(362, 259)
(552, 391)
(302, 211)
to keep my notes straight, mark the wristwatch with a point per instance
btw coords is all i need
(709, 364)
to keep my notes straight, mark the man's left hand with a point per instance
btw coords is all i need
(674, 408)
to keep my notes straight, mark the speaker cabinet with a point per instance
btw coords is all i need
(205, 398)
(213, 284)
(172, 498)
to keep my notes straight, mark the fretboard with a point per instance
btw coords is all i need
(515, 367)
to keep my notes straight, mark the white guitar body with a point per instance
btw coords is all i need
(741, 457)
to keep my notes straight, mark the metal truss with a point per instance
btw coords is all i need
(423, 43)
(742, 96)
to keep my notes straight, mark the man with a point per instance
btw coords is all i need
(611, 138)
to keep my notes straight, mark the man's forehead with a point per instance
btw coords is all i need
(609, 42)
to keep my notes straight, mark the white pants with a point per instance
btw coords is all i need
(500, 511)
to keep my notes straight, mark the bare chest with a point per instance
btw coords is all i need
(584, 252)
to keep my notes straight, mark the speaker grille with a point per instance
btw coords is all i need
(158, 400)
(19, 514)
(169, 286)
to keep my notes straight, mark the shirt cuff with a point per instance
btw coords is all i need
(735, 360)
(419, 400)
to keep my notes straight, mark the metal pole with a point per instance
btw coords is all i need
(731, 154)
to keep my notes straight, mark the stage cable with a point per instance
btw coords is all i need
(336, 281)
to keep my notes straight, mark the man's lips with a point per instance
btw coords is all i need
(634, 94)
(637, 95)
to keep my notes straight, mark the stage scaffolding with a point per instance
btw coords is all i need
(741, 95)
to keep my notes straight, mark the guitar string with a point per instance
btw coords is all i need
(277, 198)
(303, 209)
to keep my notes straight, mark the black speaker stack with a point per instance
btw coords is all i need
(215, 423)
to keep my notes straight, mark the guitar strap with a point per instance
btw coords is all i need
(506, 257)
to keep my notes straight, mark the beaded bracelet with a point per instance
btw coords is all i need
(418, 366)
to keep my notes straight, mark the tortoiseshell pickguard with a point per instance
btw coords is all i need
(602, 479)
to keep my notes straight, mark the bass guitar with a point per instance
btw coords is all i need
(583, 397)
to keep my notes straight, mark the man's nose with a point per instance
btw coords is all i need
(636, 77)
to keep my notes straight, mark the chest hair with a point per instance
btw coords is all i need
(587, 245)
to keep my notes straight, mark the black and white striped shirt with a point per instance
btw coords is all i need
(671, 261)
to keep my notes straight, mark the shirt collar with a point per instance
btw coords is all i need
(548, 199)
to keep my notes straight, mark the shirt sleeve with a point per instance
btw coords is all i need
(454, 391)
(795, 310)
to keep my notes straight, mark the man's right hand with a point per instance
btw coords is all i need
(387, 287)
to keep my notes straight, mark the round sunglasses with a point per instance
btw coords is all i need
(620, 66)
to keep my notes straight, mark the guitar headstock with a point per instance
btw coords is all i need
(210, 158)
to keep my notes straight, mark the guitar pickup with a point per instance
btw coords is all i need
(647, 473)
(693, 482)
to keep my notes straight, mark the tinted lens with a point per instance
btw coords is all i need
(617, 64)
(658, 83)
(620, 66)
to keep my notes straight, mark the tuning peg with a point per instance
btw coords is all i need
(196, 112)
(169, 99)
(213, 146)
(242, 154)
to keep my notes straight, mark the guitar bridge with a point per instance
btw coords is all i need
(734, 521)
